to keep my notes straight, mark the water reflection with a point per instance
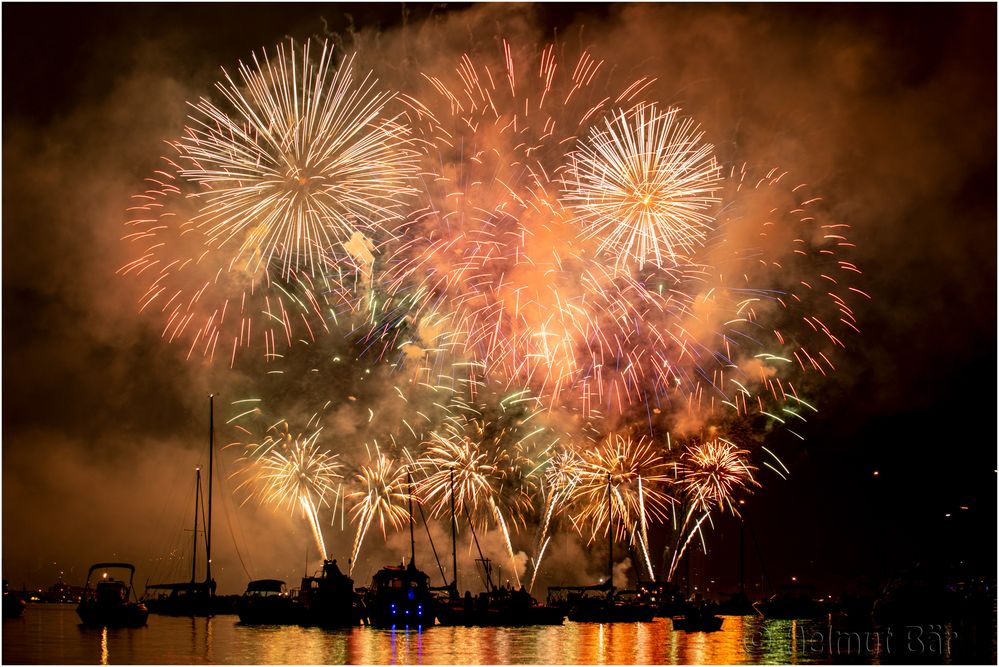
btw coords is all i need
(650, 643)
(281, 645)
(49, 635)
(209, 624)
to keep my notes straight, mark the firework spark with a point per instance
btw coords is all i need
(493, 269)
(574, 257)
(382, 497)
(562, 474)
(295, 472)
(489, 455)
(261, 228)
(712, 472)
(300, 159)
(643, 187)
(492, 466)
(638, 476)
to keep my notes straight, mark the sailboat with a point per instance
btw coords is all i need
(497, 606)
(13, 604)
(600, 603)
(194, 597)
(739, 604)
(400, 596)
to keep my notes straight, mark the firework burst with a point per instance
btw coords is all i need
(574, 255)
(493, 452)
(493, 270)
(712, 472)
(563, 472)
(773, 308)
(381, 497)
(489, 456)
(297, 473)
(261, 227)
(299, 159)
(476, 475)
(643, 186)
(637, 474)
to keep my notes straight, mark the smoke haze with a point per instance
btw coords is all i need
(890, 118)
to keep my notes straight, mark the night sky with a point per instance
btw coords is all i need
(887, 111)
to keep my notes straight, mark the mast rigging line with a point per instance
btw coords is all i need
(232, 517)
(426, 526)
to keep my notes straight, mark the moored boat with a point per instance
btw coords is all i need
(13, 604)
(792, 601)
(327, 601)
(267, 602)
(601, 603)
(197, 596)
(697, 617)
(608, 608)
(737, 604)
(400, 597)
(194, 598)
(108, 604)
(498, 608)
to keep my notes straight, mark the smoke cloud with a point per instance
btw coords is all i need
(104, 422)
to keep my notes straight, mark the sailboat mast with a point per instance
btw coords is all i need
(742, 557)
(197, 498)
(412, 540)
(211, 451)
(610, 535)
(454, 548)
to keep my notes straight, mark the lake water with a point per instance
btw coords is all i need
(51, 634)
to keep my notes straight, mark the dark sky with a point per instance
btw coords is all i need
(888, 110)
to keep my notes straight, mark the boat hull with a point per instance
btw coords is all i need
(493, 617)
(327, 601)
(269, 612)
(611, 613)
(13, 606)
(708, 624)
(399, 612)
(130, 615)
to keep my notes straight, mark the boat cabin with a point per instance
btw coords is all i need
(111, 591)
(265, 588)
(400, 596)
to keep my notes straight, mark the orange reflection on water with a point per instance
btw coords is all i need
(572, 643)
(399, 646)
(278, 645)
(52, 635)
(653, 643)
(725, 647)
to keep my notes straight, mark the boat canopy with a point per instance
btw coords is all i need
(105, 566)
(265, 586)
(578, 589)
